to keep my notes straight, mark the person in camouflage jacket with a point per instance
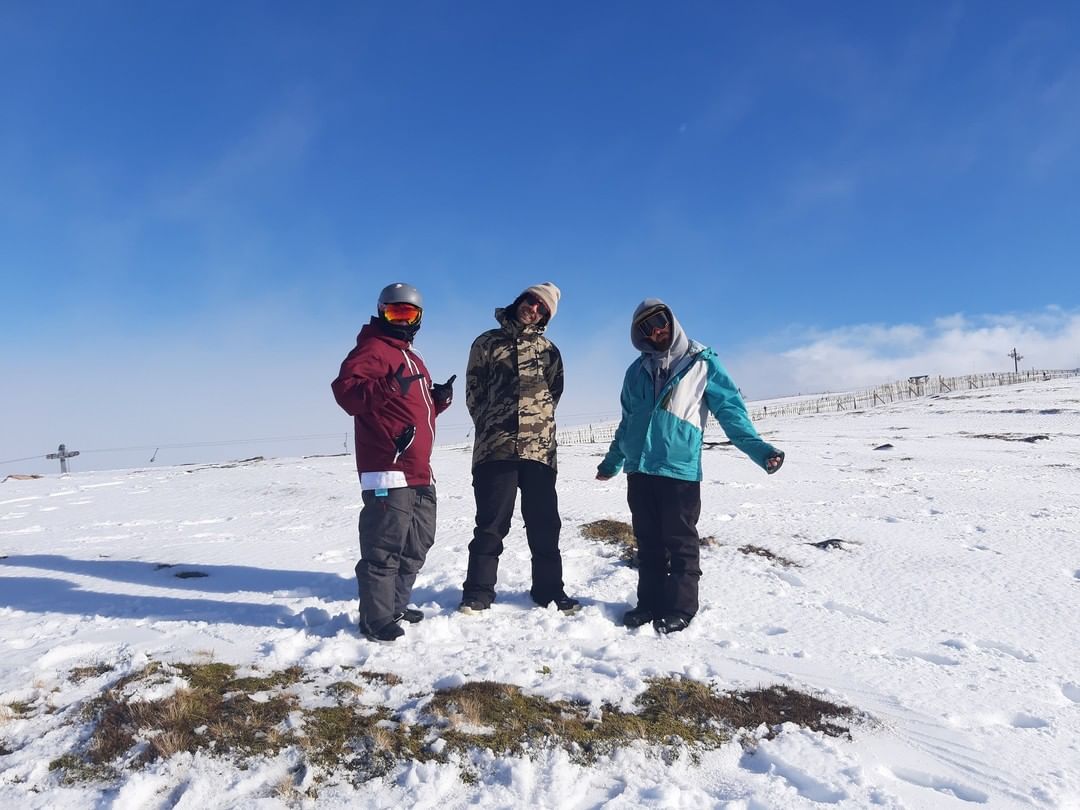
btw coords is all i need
(513, 384)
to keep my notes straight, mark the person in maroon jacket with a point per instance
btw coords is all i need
(385, 387)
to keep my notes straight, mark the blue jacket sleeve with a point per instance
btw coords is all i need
(613, 461)
(723, 400)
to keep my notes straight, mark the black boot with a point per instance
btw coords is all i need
(671, 624)
(564, 603)
(388, 632)
(637, 617)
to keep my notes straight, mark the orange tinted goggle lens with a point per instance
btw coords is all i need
(402, 313)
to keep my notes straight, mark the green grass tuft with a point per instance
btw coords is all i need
(216, 712)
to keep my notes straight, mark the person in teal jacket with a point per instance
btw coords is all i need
(667, 395)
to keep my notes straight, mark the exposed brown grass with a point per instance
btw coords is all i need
(215, 711)
(775, 705)
(672, 712)
(616, 533)
(621, 535)
(784, 562)
(79, 674)
(16, 708)
(388, 678)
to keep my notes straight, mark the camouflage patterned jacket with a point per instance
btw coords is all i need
(512, 387)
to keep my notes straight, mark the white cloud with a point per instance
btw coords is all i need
(868, 354)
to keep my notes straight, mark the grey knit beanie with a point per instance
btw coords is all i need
(549, 294)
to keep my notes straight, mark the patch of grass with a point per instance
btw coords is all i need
(388, 678)
(18, 708)
(343, 690)
(828, 545)
(367, 743)
(673, 713)
(275, 680)
(616, 533)
(209, 676)
(74, 769)
(79, 674)
(621, 535)
(1011, 437)
(764, 552)
(216, 712)
(775, 705)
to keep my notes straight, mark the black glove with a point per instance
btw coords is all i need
(404, 382)
(404, 441)
(443, 393)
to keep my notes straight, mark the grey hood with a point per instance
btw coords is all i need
(660, 365)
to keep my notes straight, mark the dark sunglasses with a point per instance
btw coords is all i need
(653, 321)
(531, 300)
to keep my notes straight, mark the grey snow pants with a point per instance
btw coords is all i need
(396, 531)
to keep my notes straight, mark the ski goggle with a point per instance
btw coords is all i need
(651, 321)
(531, 300)
(401, 313)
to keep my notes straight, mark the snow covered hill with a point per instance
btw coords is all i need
(945, 609)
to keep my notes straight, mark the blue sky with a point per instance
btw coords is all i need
(199, 202)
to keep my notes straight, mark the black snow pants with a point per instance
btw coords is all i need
(396, 531)
(665, 514)
(495, 485)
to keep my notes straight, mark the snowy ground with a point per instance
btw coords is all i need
(949, 615)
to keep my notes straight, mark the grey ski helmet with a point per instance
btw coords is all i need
(400, 293)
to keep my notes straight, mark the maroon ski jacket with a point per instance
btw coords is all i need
(387, 407)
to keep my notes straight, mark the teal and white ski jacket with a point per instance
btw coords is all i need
(662, 434)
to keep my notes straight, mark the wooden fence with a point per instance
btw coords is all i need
(912, 388)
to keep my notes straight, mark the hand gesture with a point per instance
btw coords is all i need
(443, 393)
(404, 381)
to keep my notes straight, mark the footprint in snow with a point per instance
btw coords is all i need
(1071, 690)
(932, 658)
(1008, 649)
(949, 787)
(1024, 720)
(957, 644)
(847, 610)
(809, 784)
(790, 579)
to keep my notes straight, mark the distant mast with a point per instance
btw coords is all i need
(1016, 360)
(63, 454)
